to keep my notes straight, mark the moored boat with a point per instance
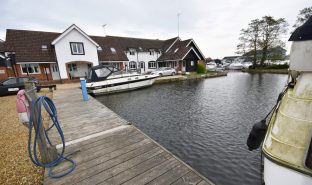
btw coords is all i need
(236, 66)
(287, 144)
(105, 79)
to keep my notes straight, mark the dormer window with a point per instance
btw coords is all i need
(132, 51)
(44, 47)
(113, 50)
(176, 50)
(77, 48)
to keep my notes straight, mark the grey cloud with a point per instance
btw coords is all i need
(214, 25)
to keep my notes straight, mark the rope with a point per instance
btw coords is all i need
(51, 110)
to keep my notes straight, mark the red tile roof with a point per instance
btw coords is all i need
(27, 46)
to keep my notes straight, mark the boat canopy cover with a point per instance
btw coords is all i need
(100, 72)
(303, 32)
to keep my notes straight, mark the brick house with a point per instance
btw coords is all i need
(51, 56)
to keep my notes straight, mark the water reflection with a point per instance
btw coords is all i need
(206, 122)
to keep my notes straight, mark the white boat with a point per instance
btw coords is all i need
(108, 79)
(211, 66)
(287, 146)
(246, 65)
(236, 66)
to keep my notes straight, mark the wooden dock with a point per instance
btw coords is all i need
(111, 150)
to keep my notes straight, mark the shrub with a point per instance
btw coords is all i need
(201, 69)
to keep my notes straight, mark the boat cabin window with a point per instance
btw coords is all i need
(102, 72)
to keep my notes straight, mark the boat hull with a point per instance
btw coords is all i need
(275, 174)
(121, 86)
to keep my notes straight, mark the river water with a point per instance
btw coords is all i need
(205, 122)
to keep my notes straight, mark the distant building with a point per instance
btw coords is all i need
(69, 55)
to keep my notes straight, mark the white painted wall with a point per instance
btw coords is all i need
(143, 56)
(63, 51)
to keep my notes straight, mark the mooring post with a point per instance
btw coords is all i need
(84, 89)
(48, 153)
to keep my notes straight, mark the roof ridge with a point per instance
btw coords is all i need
(134, 38)
(33, 31)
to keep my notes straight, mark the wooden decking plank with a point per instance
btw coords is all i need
(103, 143)
(153, 173)
(124, 132)
(87, 155)
(203, 183)
(102, 175)
(189, 178)
(171, 175)
(102, 163)
(119, 178)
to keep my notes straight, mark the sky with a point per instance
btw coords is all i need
(213, 24)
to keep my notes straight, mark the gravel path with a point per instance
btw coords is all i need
(15, 165)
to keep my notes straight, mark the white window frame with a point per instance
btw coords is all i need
(113, 50)
(152, 64)
(77, 48)
(131, 65)
(132, 51)
(71, 67)
(192, 63)
(32, 66)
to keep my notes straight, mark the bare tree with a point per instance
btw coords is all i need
(249, 40)
(303, 16)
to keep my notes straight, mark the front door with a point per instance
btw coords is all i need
(142, 67)
(55, 72)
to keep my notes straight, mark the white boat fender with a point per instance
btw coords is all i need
(22, 108)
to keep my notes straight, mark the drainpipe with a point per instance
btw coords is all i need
(138, 61)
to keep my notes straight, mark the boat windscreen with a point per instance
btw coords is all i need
(102, 72)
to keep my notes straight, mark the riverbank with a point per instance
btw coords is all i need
(168, 79)
(274, 71)
(16, 167)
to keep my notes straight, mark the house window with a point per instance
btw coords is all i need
(113, 50)
(192, 63)
(72, 67)
(152, 64)
(54, 68)
(141, 64)
(30, 68)
(77, 48)
(132, 65)
(132, 52)
(151, 52)
(44, 47)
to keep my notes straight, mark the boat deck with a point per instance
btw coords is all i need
(111, 150)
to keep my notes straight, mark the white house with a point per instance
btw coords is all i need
(69, 55)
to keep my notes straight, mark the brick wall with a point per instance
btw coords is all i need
(3, 73)
(41, 77)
